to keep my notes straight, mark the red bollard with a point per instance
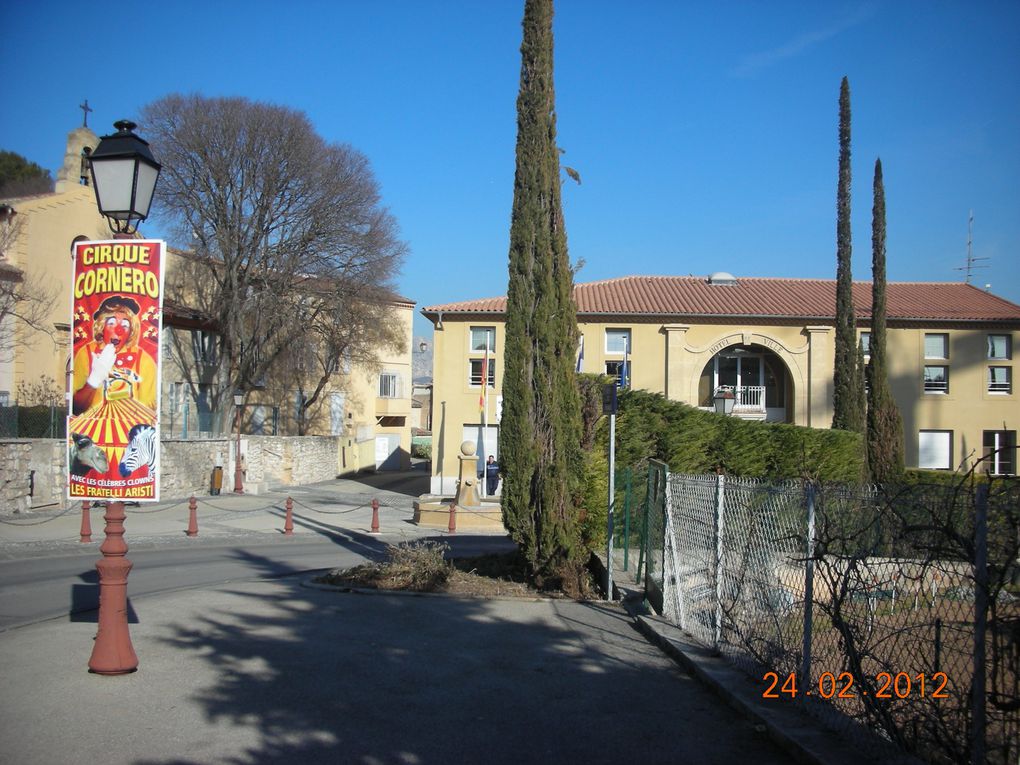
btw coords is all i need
(375, 516)
(192, 518)
(288, 524)
(453, 518)
(86, 522)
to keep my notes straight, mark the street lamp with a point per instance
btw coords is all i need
(124, 175)
(724, 400)
(238, 402)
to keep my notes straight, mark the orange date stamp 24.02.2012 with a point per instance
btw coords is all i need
(844, 685)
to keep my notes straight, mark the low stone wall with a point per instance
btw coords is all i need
(33, 471)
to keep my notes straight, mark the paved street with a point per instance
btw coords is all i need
(242, 659)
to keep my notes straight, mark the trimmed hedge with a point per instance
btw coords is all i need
(690, 440)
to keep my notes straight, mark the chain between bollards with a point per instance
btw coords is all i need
(86, 522)
(375, 516)
(288, 524)
(192, 517)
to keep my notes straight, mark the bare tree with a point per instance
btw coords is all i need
(24, 301)
(348, 332)
(271, 213)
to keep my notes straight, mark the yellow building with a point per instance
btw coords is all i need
(770, 341)
(368, 403)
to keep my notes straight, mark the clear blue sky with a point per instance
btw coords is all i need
(705, 134)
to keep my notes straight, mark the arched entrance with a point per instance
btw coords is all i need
(758, 378)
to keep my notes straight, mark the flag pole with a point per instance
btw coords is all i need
(485, 412)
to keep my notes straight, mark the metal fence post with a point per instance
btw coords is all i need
(720, 502)
(626, 520)
(643, 544)
(978, 709)
(184, 424)
(809, 584)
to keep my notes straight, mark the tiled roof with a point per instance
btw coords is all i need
(765, 298)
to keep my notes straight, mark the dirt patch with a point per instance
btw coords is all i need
(423, 567)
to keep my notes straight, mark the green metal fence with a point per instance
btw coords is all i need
(33, 421)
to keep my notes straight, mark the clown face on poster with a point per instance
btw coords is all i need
(116, 323)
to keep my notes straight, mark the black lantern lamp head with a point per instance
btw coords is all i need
(124, 175)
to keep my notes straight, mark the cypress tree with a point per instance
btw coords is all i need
(885, 426)
(540, 430)
(848, 386)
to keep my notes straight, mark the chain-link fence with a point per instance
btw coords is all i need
(43, 421)
(892, 611)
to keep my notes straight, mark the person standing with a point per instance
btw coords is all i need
(491, 476)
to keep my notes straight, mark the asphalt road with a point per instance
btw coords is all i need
(34, 589)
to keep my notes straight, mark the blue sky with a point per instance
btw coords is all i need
(705, 133)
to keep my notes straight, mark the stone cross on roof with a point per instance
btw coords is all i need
(86, 109)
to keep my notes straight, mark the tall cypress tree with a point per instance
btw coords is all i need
(885, 426)
(539, 437)
(848, 384)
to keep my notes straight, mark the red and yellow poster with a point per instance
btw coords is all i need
(116, 322)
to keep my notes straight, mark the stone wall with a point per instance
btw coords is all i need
(32, 471)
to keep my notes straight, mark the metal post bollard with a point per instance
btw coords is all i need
(192, 518)
(86, 522)
(453, 518)
(375, 516)
(288, 524)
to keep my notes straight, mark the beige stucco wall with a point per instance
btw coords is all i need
(49, 225)
(668, 357)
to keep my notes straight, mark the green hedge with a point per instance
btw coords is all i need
(690, 440)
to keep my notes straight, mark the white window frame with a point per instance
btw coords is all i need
(864, 342)
(617, 364)
(1007, 347)
(478, 346)
(935, 449)
(934, 386)
(992, 452)
(945, 345)
(475, 378)
(1003, 387)
(621, 333)
(394, 389)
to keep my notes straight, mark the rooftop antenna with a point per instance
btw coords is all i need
(971, 260)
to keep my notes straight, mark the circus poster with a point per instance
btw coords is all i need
(113, 406)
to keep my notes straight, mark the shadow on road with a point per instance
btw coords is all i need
(322, 676)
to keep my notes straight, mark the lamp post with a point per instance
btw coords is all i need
(238, 485)
(724, 400)
(124, 175)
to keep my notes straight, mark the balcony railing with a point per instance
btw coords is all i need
(750, 398)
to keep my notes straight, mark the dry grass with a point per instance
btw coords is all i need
(423, 567)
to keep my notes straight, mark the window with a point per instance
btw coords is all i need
(1000, 347)
(476, 373)
(620, 371)
(479, 336)
(204, 346)
(865, 344)
(936, 379)
(1000, 452)
(174, 397)
(618, 341)
(389, 385)
(935, 449)
(1000, 380)
(936, 346)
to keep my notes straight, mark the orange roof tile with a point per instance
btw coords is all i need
(766, 298)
